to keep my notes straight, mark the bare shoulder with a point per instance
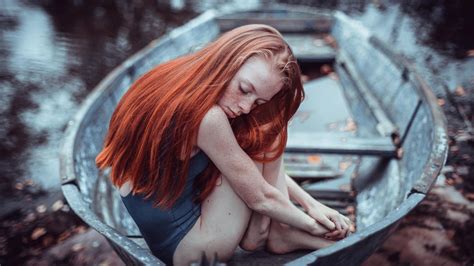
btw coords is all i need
(215, 131)
(214, 117)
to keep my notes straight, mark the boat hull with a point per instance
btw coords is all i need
(385, 186)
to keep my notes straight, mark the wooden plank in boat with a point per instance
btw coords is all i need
(324, 143)
(310, 48)
(334, 189)
(310, 172)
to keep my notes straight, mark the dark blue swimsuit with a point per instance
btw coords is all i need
(164, 229)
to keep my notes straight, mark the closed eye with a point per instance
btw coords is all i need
(243, 91)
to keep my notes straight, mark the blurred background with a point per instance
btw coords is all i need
(54, 52)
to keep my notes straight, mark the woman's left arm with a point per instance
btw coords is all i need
(323, 214)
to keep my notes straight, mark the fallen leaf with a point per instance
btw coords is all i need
(81, 229)
(454, 148)
(77, 247)
(95, 244)
(350, 125)
(57, 205)
(460, 91)
(470, 196)
(64, 236)
(318, 42)
(441, 102)
(330, 41)
(333, 76)
(104, 263)
(304, 78)
(325, 69)
(19, 186)
(332, 126)
(350, 209)
(462, 170)
(314, 159)
(344, 165)
(449, 181)
(65, 208)
(47, 241)
(345, 187)
(450, 233)
(37, 233)
(41, 208)
(30, 217)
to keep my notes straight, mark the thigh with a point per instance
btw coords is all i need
(219, 229)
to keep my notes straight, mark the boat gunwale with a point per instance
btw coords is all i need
(103, 90)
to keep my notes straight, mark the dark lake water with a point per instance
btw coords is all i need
(54, 52)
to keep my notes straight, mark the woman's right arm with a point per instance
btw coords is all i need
(216, 139)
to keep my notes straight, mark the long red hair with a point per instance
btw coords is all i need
(154, 127)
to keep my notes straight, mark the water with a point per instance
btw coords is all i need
(53, 53)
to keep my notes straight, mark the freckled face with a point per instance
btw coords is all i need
(255, 83)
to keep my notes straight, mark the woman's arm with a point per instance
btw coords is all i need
(330, 218)
(216, 139)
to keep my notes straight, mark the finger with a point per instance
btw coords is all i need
(344, 223)
(347, 219)
(352, 228)
(332, 234)
(327, 223)
(338, 224)
(348, 233)
(337, 235)
(320, 230)
(342, 233)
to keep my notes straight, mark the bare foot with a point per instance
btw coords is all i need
(284, 239)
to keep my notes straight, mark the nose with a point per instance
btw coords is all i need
(246, 106)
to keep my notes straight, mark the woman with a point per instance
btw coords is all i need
(195, 147)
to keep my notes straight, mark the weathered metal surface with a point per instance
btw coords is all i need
(387, 189)
(324, 102)
(284, 20)
(385, 125)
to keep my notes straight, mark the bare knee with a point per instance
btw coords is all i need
(256, 234)
(276, 242)
(255, 242)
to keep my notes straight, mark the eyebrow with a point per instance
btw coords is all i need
(253, 88)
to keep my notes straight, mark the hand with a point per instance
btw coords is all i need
(339, 225)
(317, 229)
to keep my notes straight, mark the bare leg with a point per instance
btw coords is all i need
(224, 223)
(219, 229)
(276, 237)
(257, 231)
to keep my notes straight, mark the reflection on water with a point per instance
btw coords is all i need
(54, 52)
(52, 55)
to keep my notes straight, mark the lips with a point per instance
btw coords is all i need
(231, 113)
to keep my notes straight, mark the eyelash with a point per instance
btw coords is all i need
(245, 93)
(242, 90)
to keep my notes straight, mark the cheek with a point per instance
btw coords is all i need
(225, 99)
